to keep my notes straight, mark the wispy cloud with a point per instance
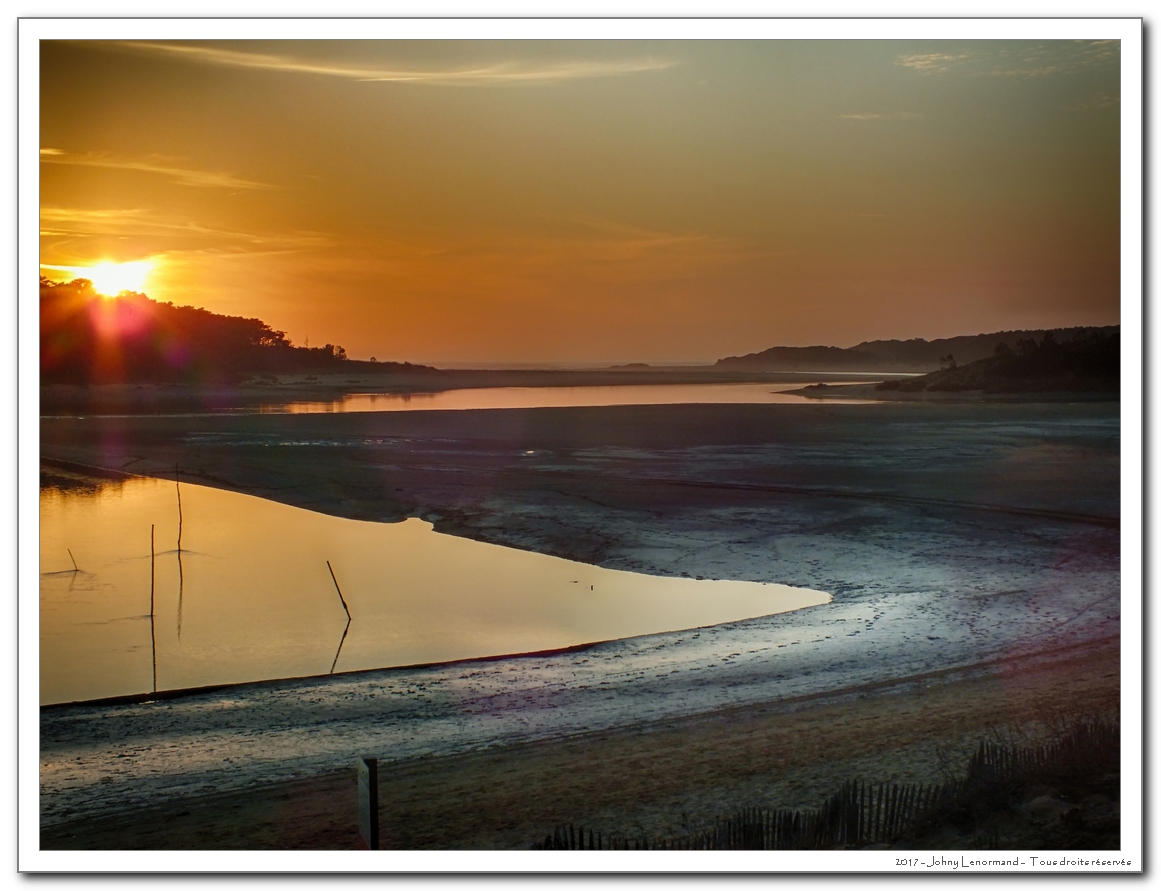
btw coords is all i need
(932, 61)
(547, 250)
(1018, 58)
(74, 223)
(581, 248)
(887, 116)
(1044, 59)
(168, 167)
(478, 75)
(1097, 100)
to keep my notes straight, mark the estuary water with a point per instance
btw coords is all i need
(249, 594)
(559, 397)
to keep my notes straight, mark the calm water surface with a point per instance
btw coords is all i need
(558, 397)
(250, 597)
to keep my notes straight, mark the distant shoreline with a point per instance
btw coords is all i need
(146, 398)
(151, 398)
(824, 391)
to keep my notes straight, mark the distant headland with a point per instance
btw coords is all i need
(916, 355)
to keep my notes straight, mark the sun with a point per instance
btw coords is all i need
(110, 279)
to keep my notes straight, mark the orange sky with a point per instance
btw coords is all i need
(529, 202)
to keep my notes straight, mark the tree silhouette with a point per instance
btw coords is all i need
(87, 338)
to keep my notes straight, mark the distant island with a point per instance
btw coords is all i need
(87, 338)
(898, 355)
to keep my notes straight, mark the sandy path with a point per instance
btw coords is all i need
(660, 778)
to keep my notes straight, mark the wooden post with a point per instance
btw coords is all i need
(152, 632)
(180, 588)
(177, 484)
(368, 770)
(340, 590)
(347, 611)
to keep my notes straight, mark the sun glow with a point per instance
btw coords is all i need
(110, 279)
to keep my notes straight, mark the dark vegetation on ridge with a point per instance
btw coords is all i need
(1090, 361)
(86, 338)
(896, 355)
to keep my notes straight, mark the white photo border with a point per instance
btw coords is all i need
(31, 30)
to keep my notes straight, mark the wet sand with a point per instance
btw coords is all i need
(663, 778)
(469, 470)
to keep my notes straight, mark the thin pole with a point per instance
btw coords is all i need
(74, 559)
(152, 632)
(180, 590)
(177, 483)
(341, 641)
(180, 572)
(347, 611)
(337, 588)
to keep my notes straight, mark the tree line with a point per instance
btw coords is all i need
(86, 338)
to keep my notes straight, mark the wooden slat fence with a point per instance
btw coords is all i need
(861, 814)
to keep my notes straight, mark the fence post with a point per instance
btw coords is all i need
(368, 770)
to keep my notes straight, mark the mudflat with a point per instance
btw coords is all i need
(949, 535)
(459, 466)
(663, 778)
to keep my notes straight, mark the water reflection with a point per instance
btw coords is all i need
(254, 583)
(557, 397)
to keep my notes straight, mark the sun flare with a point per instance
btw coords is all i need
(110, 279)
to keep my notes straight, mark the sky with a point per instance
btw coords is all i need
(565, 202)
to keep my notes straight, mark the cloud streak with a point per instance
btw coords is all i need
(1019, 58)
(1042, 60)
(71, 222)
(932, 61)
(481, 75)
(890, 116)
(1098, 100)
(580, 249)
(185, 176)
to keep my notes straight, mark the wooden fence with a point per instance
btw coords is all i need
(862, 814)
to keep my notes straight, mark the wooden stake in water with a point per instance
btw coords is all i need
(152, 634)
(74, 559)
(180, 590)
(347, 611)
(342, 640)
(340, 590)
(177, 483)
(180, 572)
